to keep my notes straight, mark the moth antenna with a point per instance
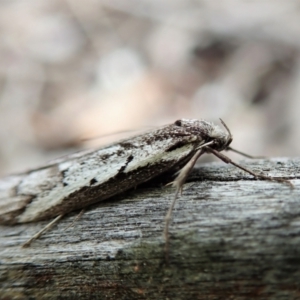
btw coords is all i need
(75, 219)
(182, 174)
(227, 128)
(204, 145)
(243, 154)
(227, 160)
(43, 230)
(167, 223)
(178, 183)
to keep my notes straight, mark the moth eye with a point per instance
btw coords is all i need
(178, 123)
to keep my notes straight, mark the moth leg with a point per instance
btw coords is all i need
(178, 184)
(243, 154)
(76, 219)
(38, 234)
(227, 160)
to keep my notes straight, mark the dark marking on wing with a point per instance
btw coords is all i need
(63, 174)
(105, 156)
(129, 159)
(128, 145)
(93, 181)
(178, 123)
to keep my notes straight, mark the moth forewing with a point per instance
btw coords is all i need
(81, 180)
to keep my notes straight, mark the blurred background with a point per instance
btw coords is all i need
(72, 70)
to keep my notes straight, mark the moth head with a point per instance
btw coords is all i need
(208, 132)
(221, 138)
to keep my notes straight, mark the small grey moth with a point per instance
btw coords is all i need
(82, 179)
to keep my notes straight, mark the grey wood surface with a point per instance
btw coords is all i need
(232, 237)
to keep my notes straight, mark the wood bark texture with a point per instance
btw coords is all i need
(232, 237)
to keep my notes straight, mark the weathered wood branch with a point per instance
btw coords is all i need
(231, 237)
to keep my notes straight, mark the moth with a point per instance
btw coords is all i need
(82, 179)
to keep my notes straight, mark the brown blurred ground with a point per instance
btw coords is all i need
(72, 69)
